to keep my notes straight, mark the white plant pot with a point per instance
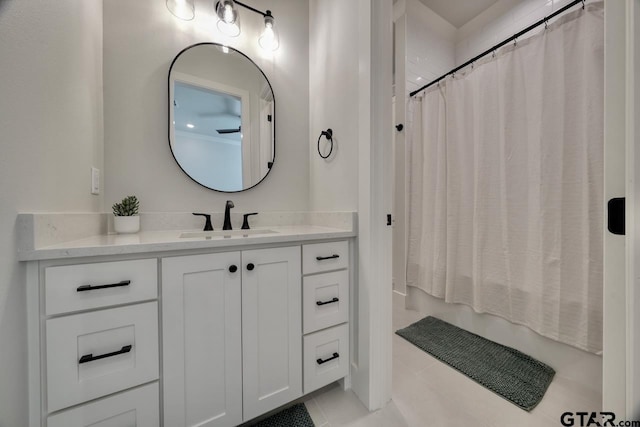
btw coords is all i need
(126, 224)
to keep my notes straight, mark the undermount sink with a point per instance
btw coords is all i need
(223, 233)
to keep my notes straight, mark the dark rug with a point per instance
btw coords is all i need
(294, 416)
(511, 374)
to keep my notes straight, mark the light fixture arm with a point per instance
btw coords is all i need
(259, 12)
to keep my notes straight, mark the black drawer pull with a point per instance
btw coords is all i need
(250, 266)
(233, 268)
(335, 356)
(93, 288)
(322, 258)
(90, 357)
(335, 299)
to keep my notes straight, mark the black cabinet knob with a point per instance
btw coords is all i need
(250, 266)
(233, 268)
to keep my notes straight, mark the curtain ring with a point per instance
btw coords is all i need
(582, 4)
(493, 54)
(515, 42)
(546, 23)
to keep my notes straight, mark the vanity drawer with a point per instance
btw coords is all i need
(90, 355)
(138, 407)
(87, 286)
(325, 300)
(329, 256)
(326, 357)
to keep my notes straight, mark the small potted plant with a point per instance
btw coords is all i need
(125, 216)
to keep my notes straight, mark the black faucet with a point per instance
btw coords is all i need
(207, 224)
(227, 215)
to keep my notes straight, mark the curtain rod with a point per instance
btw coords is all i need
(499, 45)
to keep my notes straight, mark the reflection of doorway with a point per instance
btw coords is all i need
(267, 134)
(206, 111)
(211, 135)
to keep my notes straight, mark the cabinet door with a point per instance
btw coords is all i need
(272, 329)
(202, 353)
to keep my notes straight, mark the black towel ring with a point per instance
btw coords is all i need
(329, 135)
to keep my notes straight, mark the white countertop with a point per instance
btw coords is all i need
(160, 241)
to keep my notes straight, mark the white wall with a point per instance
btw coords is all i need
(141, 38)
(350, 92)
(399, 255)
(430, 46)
(51, 135)
(615, 297)
(633, 193)
(333, 95)
(426, 44)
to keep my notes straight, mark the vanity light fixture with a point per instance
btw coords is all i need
(229, 23)
(269, 39)
(229, 19)
(183, 9)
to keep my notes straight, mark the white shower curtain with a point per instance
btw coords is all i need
(506, 183)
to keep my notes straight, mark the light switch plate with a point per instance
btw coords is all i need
(95, 181)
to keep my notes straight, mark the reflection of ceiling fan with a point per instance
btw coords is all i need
(224, 131)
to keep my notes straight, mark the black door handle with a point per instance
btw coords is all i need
(90, 357)
(322, 258)
(84, 288)
(250, 266)
(328, 302)
(335, 356)
(616, 215)
(233, 268)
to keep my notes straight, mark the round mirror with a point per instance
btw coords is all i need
(221, 117)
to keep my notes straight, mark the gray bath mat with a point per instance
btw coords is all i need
(294, 416)
(513, 375)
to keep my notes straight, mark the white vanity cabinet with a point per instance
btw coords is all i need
(94, 344)
(326, 313)
(232, 335)
(183, 336)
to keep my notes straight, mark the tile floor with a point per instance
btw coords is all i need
(428, 393)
